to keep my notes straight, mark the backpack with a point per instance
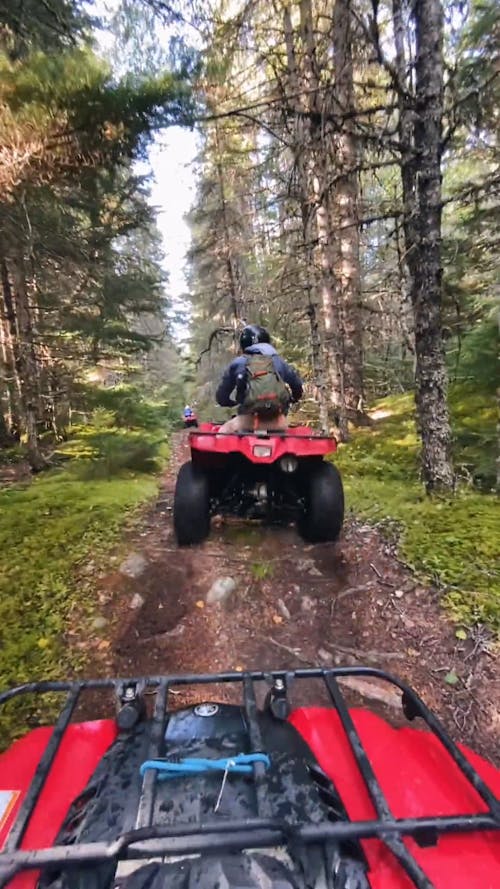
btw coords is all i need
(266, 393)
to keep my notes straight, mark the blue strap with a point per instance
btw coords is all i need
(240, 764)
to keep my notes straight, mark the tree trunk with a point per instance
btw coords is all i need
(329, 300)
(318, 366)
(422, 200)
(17, 312)
(317, 146)
(318, 349)
(334, 195)
(344, 208)
(233, 272)
(5, 437)
(12, 395)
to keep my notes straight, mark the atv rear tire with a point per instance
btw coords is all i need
(191, 505)
(324, 510)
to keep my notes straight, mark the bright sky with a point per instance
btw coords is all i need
(171, 161)
(171, 157)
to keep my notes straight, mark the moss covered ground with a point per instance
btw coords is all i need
(452, 541)
(53, 525)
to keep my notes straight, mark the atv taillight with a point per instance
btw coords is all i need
(262, 451)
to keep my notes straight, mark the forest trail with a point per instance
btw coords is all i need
(292, 605)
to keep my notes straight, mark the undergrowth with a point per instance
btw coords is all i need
(62, 520)
(452, 541)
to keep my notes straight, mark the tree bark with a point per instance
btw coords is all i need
(421, 177)
(344, 208)
(17, 312)
(300, 148)
(5, 437)
(233, 272)
(316, 146)
(334, 195)
(12, 395)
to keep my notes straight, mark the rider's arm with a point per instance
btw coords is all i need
(226, 386)
(292, 380)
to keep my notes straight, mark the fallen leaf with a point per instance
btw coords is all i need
(277, 619)
(461, 633)
(238, 669)
(451, 678)
(200, 603)
(43, 643)
(104, 644)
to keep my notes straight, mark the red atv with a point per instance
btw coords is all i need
(219, 795)
(276, 476)
(190, 420)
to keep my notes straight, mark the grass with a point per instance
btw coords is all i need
(261, 570)
(452, 541)
(64, 519)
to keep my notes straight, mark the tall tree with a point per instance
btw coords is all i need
(345, 213)
(420, 129)
(69, 134)
(18, 311)
(357, 123)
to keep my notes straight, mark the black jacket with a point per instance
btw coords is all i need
(235, 372)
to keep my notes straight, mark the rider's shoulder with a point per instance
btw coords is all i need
(239, 361)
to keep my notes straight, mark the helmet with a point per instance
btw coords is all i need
(252, 334)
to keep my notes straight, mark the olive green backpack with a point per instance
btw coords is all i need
(266, 393)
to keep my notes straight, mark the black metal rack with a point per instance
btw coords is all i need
(265, 830)
(264, 433)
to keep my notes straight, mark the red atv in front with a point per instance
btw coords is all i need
(276, 476)
(190, 420)
(241, 796)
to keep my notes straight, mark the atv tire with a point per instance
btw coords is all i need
(324, 510)
(191, 505)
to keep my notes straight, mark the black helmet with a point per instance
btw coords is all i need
(252, 334)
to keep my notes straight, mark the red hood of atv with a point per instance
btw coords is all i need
(418, 778)
(301, 441)
(82, 747)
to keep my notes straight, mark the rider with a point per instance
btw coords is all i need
(240, 375)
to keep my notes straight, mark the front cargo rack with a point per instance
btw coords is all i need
(263, 831)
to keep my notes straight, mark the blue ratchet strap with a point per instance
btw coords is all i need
(240, 764)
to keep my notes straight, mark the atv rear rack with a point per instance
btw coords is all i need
(264, 433)
(263, 831)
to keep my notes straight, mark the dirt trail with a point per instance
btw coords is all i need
(294, 604)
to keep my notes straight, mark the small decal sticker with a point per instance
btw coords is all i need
(8, 799)
(206, 709)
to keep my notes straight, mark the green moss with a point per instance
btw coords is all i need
(474, 418)
(105, 452)
(261, 570)
(451, 541)
(14, 454)
(48, 529)
(243, 536)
